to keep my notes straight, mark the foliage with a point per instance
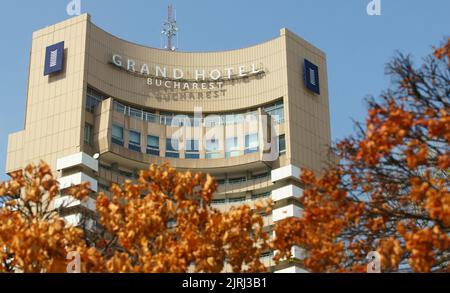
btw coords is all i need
(390, 191)
(162, 223)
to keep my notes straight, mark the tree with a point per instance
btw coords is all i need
(33, 238)
(164, 222)
(390, 191)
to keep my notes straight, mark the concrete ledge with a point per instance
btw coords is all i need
(77, 179)
(68, 202)
(287, 191)
(77, 160)
(286, 172)
(75, 220)
(291, 270)
(286, 212)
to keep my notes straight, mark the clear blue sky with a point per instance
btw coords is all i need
(357, 45)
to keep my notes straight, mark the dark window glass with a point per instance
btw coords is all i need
(251, 143)
(117, 134)
(153, 145)
(88, 133)
(282, 144)
(134, 141)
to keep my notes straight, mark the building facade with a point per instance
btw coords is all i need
(100, 108)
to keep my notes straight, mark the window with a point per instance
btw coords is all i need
(117, 135)
(152, 145)
(93, 99)
(237, 180)
(218, 201)
(88, 134)
(150, 117)
(166, 118)
(276, 111)
(135, 113)
(261, 175)
(192, 121)
(119, 108)
(213, 155)
(106, 167)
(192, 150)
(234, 119)
(236, 199)
(220, 181)
(103, 187)
(282, 144)
(172, 148)
(125, 173)
(213, 121)
(232, 149)
(212, 149)
(134, 141)
(251, 143)
(261, 195)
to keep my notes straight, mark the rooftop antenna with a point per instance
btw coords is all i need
(170, 28)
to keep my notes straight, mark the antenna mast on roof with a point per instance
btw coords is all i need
(170, 28)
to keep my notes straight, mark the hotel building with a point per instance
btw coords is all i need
(99, 108)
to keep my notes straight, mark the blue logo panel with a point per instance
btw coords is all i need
(54, 58)
(311, 76)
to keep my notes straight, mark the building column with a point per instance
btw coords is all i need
(288, 178)
(76, 169)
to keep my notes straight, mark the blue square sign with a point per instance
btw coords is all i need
(54, 58)
(311, 76)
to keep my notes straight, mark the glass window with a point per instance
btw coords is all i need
(212, 149)
(134, 141)
(172, 148)
(237, 180)
(276, 111)
(220, 181)
(172, 155)
(172, 145)
(192, 145)
(166, 118)
(151, 117)
(93, 99)
(213, 121)
(88, 133)
(232, 148)
(119, 107)
(234, 118)
(212, 145)
(117, 134)
(236, 199)
(218, 201)
(213, 155)
(261, 195)
(192, 156)
(192, 149)
(261, 175)
(251, 143)
(152, 145)
(135, 113)
(282, 144)
(125, 173)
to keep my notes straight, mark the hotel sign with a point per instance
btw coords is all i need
(175, 78)
(54, 58)
(311, 77)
